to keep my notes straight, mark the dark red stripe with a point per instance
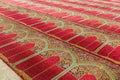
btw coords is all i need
(105, 50)
(49, 74)
(20, 56)
(18, 50)
(77, 39)
(36, 69)
(28, 63)
(94, 45)
(67, 76)
(9, 47)
(87, 41)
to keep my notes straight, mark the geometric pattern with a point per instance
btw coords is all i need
(86, 57)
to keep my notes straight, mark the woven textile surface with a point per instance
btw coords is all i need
(59, 40)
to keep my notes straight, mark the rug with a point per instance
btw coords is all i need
(59, 40)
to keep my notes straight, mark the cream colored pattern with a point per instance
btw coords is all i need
(7, 73)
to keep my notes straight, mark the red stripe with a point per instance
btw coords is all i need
(113, 28)
(28, 63)
(88, 77)
(110, 16)
(105, 50)
(92, 12)
(74, 18)
(49, 74)
(18, 50)
(6, 41)
(9, 47)
(36, 69)
(4, 37)
(85, 22)
(47, 11)
(87, 41)
(39, 25)
(9, 12)
(55, 31)
(20, 56)
(30, 21)
(47, 28)
(70, 35)
(115, 54)
(19, 16)
(45, 25)
(64, 32)
(118, 31)
(67, 76)
(94, 46)
(3, 10)
(95, 23)
(105, 27)
(77, 39)
(57, 14)
(117, 19)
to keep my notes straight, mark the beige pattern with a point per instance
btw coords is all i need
(6, 73)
